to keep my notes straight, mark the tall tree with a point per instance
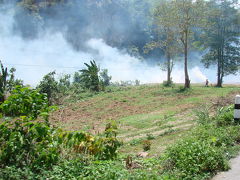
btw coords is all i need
(187, 15)
(221, 36)
(165, 33)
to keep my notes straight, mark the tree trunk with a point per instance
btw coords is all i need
(219, 82)
(219, 69)
(168, 68)
(187, 81)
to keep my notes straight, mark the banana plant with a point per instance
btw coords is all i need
(3, 82)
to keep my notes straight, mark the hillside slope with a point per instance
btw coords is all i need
(143, 112)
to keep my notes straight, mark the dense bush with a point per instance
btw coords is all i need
(103, 147)
(193, 158)
(49, 86)
(27, 143)
(206, 149)
(31, 146)
(224, 116)
(24, 102)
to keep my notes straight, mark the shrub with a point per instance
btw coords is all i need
(49, 86)
(24, 102)
(137, 82)
(146, 145)
(224, 116)
(193, 157)
(27, 143)
(150, 137)
(64, 83)
(105, 78)
(168, 83)
(36, 145)
(103, 147)
(203, 116)
(221, 137)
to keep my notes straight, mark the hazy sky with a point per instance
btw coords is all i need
(52, 52)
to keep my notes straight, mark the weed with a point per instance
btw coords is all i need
(146, 145)
(224, 116)
(203, 116)
(150, 137)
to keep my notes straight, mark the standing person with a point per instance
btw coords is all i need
(206, 85)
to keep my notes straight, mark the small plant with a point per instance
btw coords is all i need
(168, 83)
(146, 145)
(203, 116)
(135, 142)
(224, 116)
(150, 137)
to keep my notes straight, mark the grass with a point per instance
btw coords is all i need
(142, 110)
(183, 144)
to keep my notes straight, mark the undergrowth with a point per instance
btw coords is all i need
(31, 148)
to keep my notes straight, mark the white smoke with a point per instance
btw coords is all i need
(52, 52)
(197, 75)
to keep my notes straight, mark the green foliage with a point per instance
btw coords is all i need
(183, 90)
(110, 142)
(27, 143)
(221, 37)
(150, 137)
(64, 84)
(219, 137)
(49, 86)
(89, 77)
(168, 83)
(30, 148)
(103, 147)
(146, 145)
(224, 116)
(3, 82)
(203, 116)
(25, 102)
(7, 81)
(105, 78)
(137, 82)
(193, 158)
(206, 149)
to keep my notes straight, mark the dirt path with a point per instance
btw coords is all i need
(233, 173)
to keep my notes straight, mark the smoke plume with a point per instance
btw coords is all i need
(35, 49)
